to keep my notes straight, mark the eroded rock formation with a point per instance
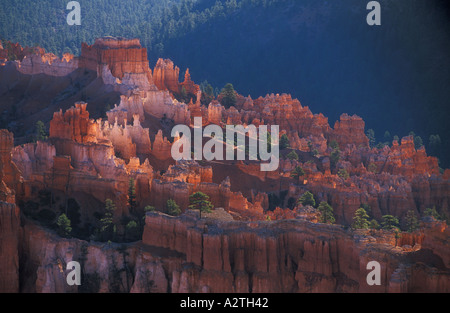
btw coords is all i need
(285, 256)
(120, 55)
(258, 238)
(9, 218)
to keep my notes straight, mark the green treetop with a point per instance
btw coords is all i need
(228, 96)
(326, 211)
(360, 220)
(200, 201)
(307, 199)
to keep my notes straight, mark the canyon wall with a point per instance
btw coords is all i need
(285, 256)
(9, 243)
(186, 254)
(9, 218)
(120, 55)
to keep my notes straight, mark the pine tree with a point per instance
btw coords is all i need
(149, 208)
(389, 222)
(371, 136)
(334, 158)
(200, 201)
(132, 194)
(173, 208)
(432, 212)
(326, 211)
(40, 132)
(132, 231)
(297, 173)
(412, 223)
(342, 173)
(107, 229)
(372, 168)
(434, 143)
(284, 142)
(307, 199)
(418, 142)
(334, 145)
(228, 96)
(183, 94)
(63, 223)
(207, 93)
(292, 155)
(360, 220)
(374, 224)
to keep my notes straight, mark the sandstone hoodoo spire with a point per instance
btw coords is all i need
(166, 75)
(74, 125)
(189, 86)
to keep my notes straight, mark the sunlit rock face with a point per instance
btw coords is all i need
(9, 216)
(166, 75)
(120, 55)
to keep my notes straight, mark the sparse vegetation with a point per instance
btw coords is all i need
(200, 201)
(389, 222)
(228, 96)
(342, 173)
(207, 93)
(360, 220)
(372, 168)
(40, 133)
(334, 145)
(284, 142)
(292, 155)
(374, 224)
(371, 136)
(326, 213)
(411, 221)
(63, 223)
(107, 230)
(149, 208)
(132, 232)
(297, 173)
(173, 208)
(132, 194)
(307, 199)
(432, 212)
(334, 158)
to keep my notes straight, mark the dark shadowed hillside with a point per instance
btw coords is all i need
(395, 76)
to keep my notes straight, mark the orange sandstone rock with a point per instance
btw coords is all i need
(165, 75)
(349, 130)
(189, 85)
(120, 55)
(9, 217)
(74, 125)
